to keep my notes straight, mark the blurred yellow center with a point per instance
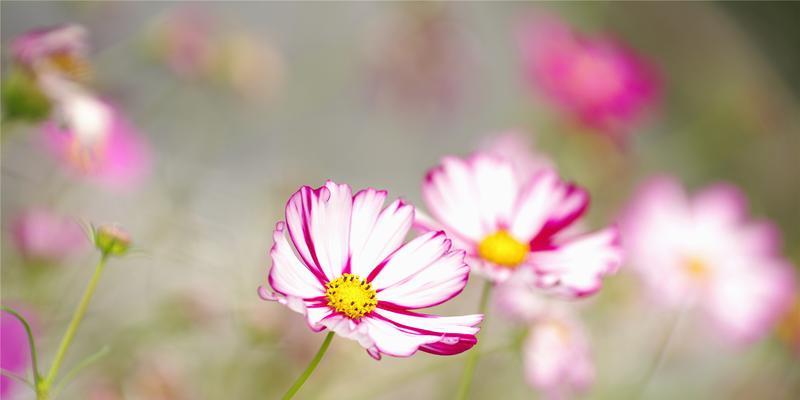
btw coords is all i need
(351, 295)
(502, 249)
(696, 268)
(68, 64)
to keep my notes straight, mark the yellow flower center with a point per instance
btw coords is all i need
(351, 295)
(696, 268)
(70, 65)
(501, 248)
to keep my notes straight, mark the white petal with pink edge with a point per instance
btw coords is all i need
(289, 275)
(577, 265)
(376, 232)
(319, 225)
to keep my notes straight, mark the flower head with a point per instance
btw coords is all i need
(345, 266)
(506, 221)
(112, 240)
(598, 80)
(94, 141)
(706, 252)
(42, 235)
(61, 49)
(557, 356)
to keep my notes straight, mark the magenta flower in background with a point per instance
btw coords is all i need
(94, 141)
(345, 267)
(14, 350)
(61, 49)
(705, 251)
(183, 38)
(596, 79)
(505, 222)
(557, 356)
(42, 235)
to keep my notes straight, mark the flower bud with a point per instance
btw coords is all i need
(111, 240)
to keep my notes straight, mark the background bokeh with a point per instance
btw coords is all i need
(374, 94)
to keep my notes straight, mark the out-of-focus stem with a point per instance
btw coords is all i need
(472, 360)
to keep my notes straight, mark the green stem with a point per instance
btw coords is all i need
(664, 345)
(31, 343)
(15, 377)
(69, 335)
(311, 367)
(474, 354)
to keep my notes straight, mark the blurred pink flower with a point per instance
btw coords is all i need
(346, 268)
(598, 80)
(557, 356)
(706, 252)
(506, 221)
(184, 40)
(14, 349)
(42, 235)
(61, 49)
(94, 141)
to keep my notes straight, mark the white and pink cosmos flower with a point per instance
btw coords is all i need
(506, 220)
(705, 251)
(95, 142)
(557, 356)
(61, 49)
(345, 266)
(597, 79)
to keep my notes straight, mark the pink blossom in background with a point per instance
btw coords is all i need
(97, 143)
(506, 221)
(62, 49)
(706, 251)
(14, 349)
(557, 357)
(517, 147)
(346, 267)
(42, 235)
(183, 38)
(596, 79)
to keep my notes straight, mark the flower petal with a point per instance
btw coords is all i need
(288, 275)
(376, 233)
(441, 280)
(402, 333)
(472, 197)
(577, 266)
(545, 206)
(319, 225)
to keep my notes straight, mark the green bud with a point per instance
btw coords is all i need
(22, 98)
(111, 240)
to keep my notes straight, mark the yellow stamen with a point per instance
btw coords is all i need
(503, 249)
(696, 268)
(351, 295)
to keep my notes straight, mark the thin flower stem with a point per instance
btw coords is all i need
(472, 360)
(31, 343)
(664, 346)
(78, 368)
(69, 335)
(311, 367)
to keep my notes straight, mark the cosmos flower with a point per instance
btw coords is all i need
(14, 349)
(706, 252)
(506, 222)
(42, 235)
(596, 79)
(557, 356)
(94, 141)
(344, 265)
(62, 49)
